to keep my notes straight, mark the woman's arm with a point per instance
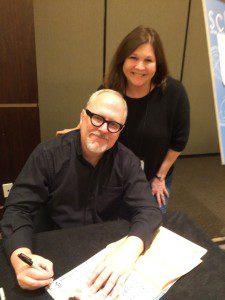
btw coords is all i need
(180, 133)
(60, 132)
(158, 183)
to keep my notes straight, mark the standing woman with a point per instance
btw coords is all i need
(158, 121)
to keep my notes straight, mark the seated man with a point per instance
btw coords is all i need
(83, 177)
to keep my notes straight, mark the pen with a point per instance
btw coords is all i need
(29, 261)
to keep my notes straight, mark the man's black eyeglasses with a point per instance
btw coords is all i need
(97, 121)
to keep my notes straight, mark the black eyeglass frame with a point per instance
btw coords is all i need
(91, 115)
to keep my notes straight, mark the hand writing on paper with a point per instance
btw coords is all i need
(30, 278)
(112, 272)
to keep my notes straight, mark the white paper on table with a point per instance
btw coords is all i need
(221, 50)
(68, 284)
(169, 257)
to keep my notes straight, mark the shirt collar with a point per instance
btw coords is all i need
(78, 144)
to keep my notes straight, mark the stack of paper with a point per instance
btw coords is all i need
(169, 257)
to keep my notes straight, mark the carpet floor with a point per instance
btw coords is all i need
(198, 189)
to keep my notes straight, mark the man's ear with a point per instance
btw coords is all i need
(122, 129)
(81, 116)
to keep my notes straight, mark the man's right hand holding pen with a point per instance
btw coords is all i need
(105, 282)
(38, 274)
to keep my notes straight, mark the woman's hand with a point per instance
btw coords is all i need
(112, 272)
(159, 190)
(60, 132)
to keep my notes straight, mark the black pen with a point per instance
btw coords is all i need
(29, 261)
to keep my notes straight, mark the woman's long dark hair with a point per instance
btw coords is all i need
(115, 79)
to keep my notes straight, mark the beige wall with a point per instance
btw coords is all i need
(69, 50)
(69, 46)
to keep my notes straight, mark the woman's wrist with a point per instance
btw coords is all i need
(160, 177)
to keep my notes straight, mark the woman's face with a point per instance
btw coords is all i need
(140, 67)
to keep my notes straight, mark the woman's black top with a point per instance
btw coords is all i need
(156, 123)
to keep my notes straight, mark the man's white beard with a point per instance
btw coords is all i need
(94, 146)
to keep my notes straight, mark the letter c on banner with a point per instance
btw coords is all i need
(219, 16)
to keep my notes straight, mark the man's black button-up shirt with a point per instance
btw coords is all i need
(75, 193)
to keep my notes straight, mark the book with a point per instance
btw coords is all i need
(169, 257)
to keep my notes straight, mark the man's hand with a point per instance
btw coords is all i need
(112, 272)
(28, 277)
(159, 191)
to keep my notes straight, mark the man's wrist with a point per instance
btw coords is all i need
(136, 245)
(16, 262)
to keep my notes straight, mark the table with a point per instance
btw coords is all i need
(68, 248)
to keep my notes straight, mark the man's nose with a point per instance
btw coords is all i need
(103, 128)
(140, 65)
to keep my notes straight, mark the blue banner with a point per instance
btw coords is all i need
(214, 12)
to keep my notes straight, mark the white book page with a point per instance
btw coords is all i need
(170, 256)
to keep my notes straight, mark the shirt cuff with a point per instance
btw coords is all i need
(20, 238)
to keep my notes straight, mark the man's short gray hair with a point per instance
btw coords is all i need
(112, 92)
